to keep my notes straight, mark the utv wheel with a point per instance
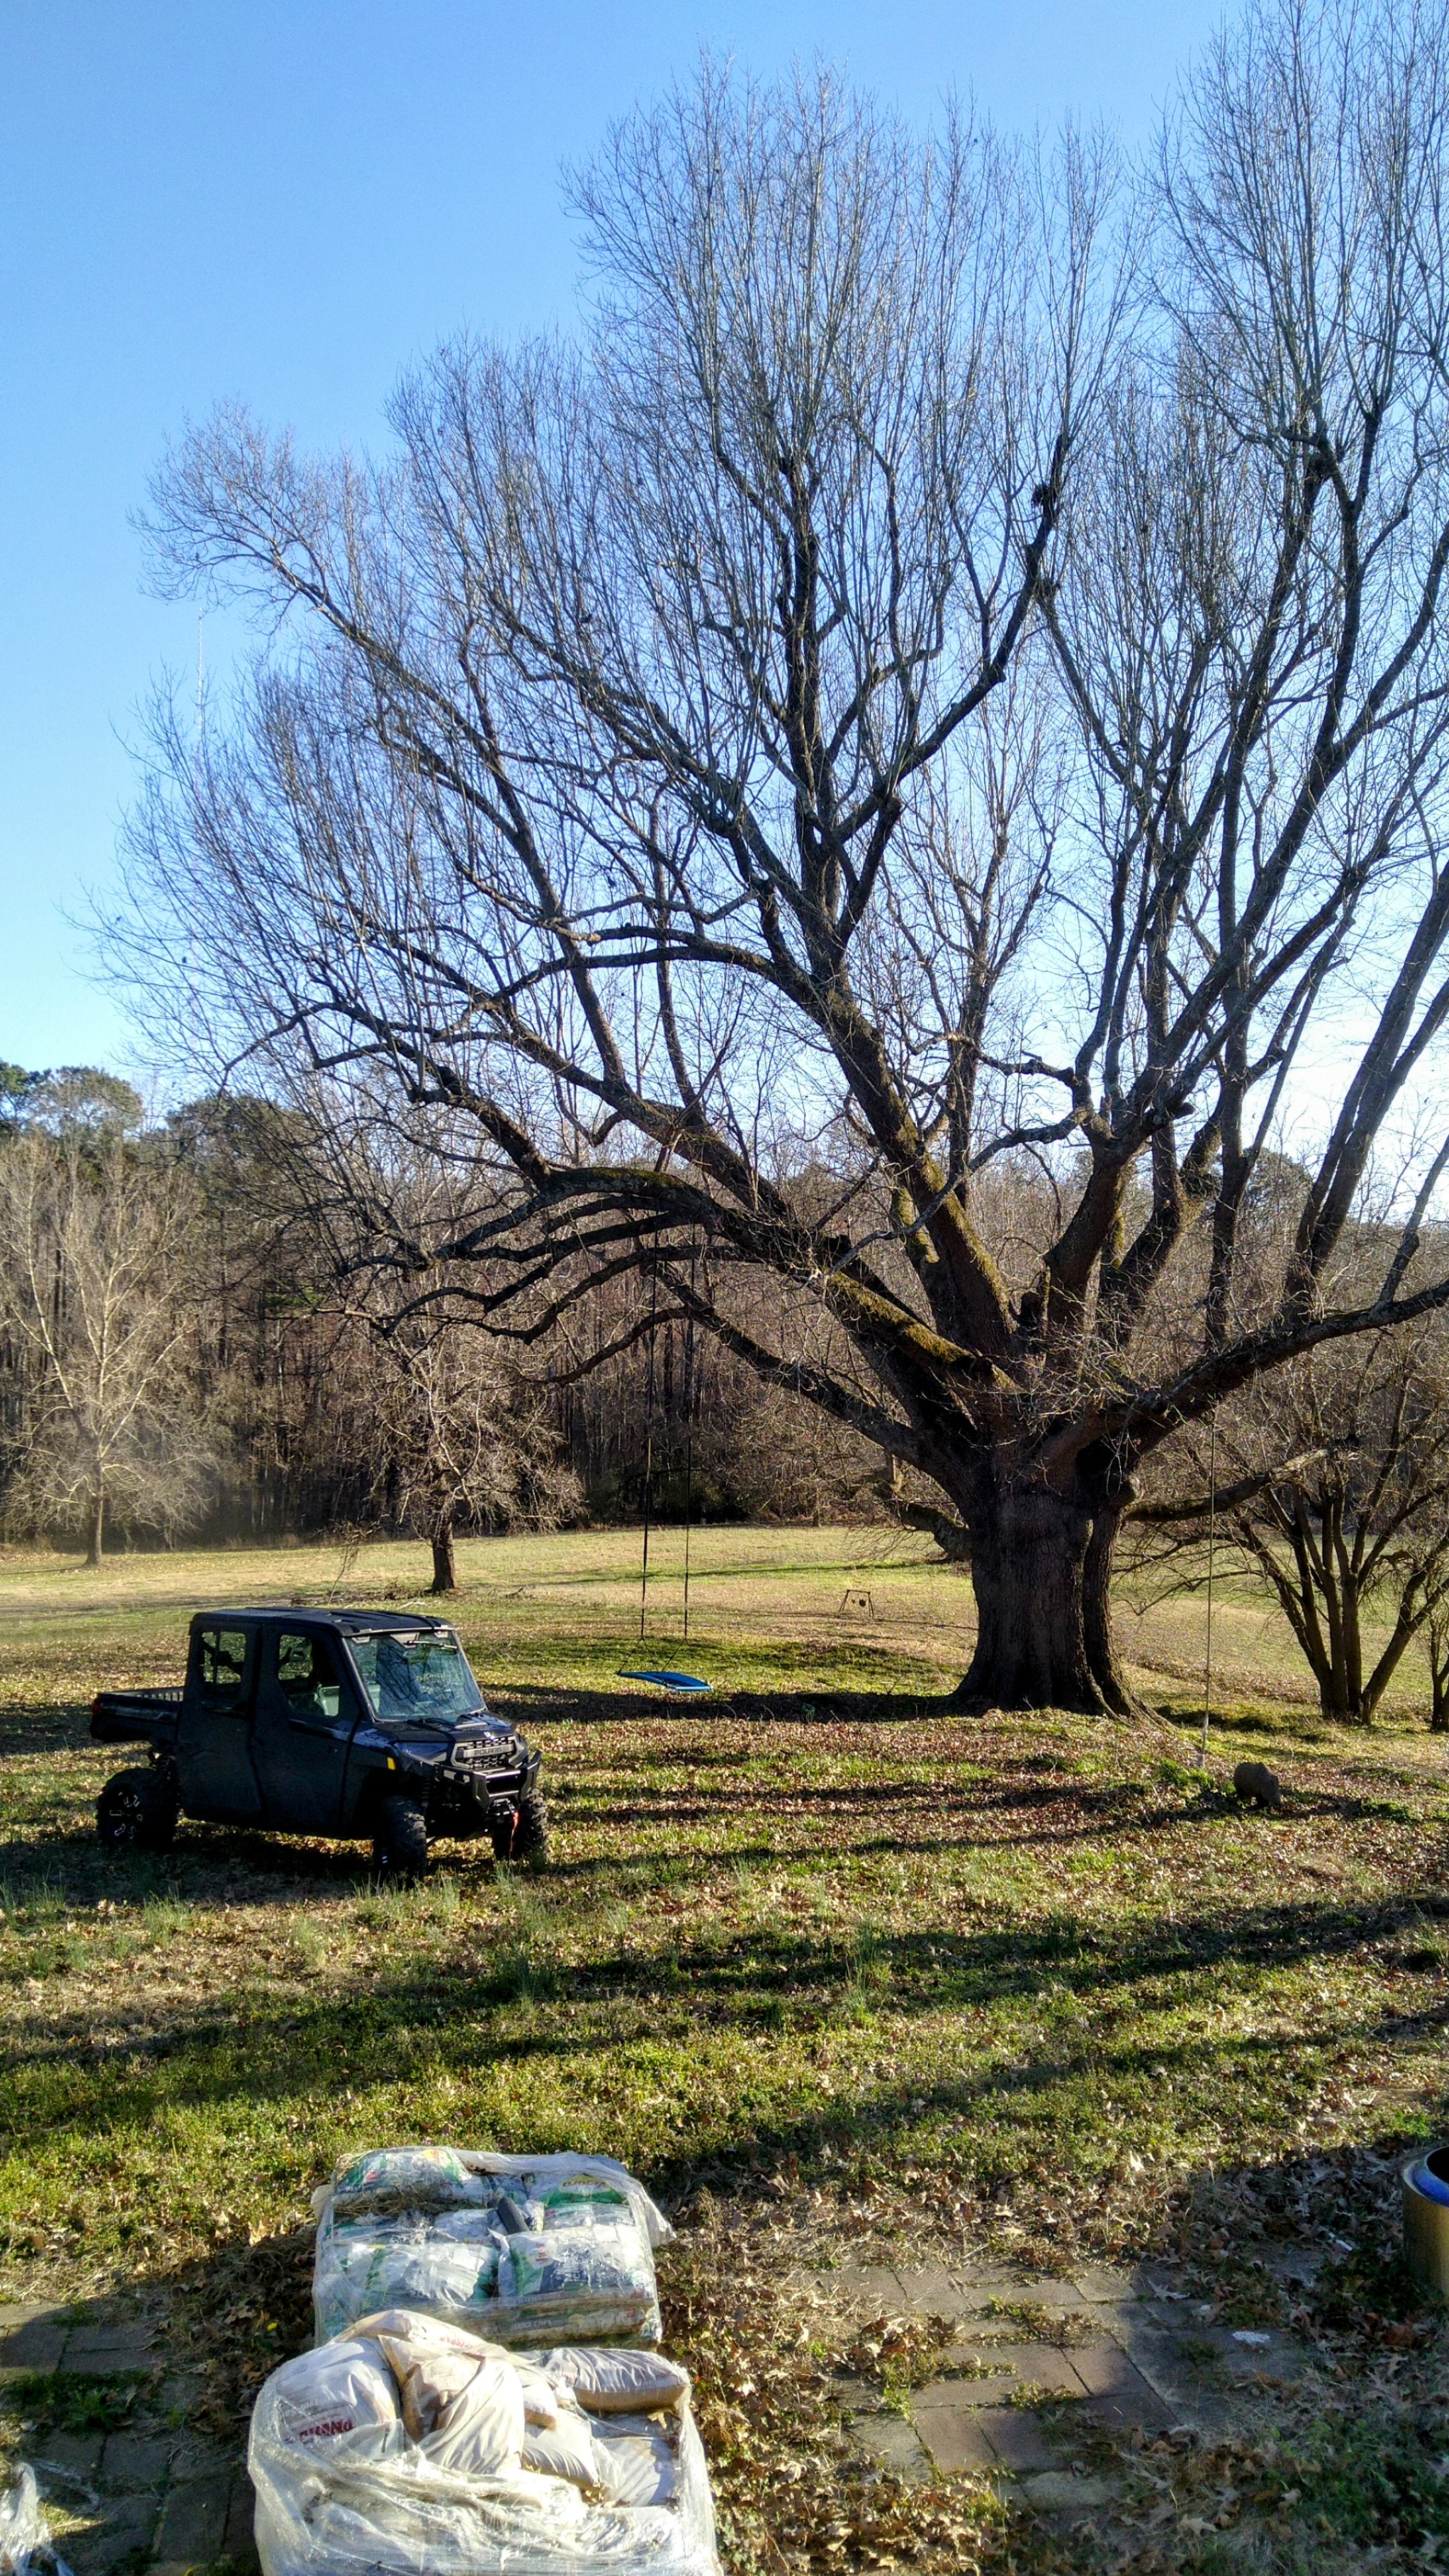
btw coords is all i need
(524, 1838)
(136, 1812)
(400, 1844)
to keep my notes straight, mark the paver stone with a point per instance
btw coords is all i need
(240, 2543)
(1016, 2437)
(1122, 2396)
(1062, 2491)
(124, 2531)
(990, 2388)
(889, 2439)
(78, 2455)
(933, 2291)
(193, 2521)
(953, 2434)
(134, 2460)
(31, 2338)
(103, 2349)
(875, 2283)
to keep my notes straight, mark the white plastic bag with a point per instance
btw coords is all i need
(429, 2177)
(642, 2456)
(343, 2394)
(24, 2531)
(567, 2449)
(463, 2410)
(362, 2499)
(415, 2262)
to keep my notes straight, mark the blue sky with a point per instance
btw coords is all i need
(288, 203)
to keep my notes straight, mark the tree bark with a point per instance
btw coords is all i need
(1041, 1565)
(95, 1548)
(445, 1564)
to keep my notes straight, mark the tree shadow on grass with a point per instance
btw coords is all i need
(875, 1819)
(447, 2015)
(823, 1706)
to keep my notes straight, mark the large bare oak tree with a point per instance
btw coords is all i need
(944, 676)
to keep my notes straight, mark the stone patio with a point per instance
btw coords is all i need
(1050, 2376)
(1048, 2379)
(156, 2495)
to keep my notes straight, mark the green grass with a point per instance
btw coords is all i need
(1035, 1985)
(73, 2401)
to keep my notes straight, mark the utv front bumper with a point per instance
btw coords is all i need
(474, 1786)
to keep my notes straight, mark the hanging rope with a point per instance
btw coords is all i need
(689, 1427)
(1207, 1686)
(649, 1434)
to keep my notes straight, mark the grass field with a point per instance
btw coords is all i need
(1023, 1985)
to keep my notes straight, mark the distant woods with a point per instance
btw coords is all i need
(211, 1328)
(192, 1346)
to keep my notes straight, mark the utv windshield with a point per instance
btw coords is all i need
(416, 1679)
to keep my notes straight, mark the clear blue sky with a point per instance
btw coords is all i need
(287, 200)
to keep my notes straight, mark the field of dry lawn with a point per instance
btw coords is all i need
(824, 1962)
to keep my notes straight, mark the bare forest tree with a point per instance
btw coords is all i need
(900, 701)
(93, 1239)
(441, 1435)
(452, 1446)
(1332, 1479)
(678, 1420)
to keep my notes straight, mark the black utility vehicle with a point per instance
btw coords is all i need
(363, 1724)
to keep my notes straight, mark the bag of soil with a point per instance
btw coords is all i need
(346, 2487)
(435, 2229)
(617, 2383)
(448, 2263)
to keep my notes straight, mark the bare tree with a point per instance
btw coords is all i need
(438, 1432)
(93, 1242)
(1332, 1479)
(454, 1446)
(877, 713)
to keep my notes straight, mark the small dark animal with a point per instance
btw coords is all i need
(1255, 1782)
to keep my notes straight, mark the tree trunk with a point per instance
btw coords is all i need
(445, 1565)
(96, 1544)
(1041, 1567)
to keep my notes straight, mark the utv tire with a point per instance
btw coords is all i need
(523, 1838)
(136, 1812)
(400, 1844)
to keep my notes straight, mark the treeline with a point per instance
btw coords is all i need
(190, 1346)
(215, 1326)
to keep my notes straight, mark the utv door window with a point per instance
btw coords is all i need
(307, 1678)
(223, 1666)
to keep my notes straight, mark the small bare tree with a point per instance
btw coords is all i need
(1333, 1481)
(457, 1444)
(93, 1246)
(885, 709)
(442, 1434)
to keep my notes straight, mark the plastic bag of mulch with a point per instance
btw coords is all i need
(525, 2249)
(412, 2448)
(26, 2547)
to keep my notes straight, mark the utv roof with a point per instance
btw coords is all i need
(407, 1621)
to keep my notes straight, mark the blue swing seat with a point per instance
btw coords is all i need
(682, 1683)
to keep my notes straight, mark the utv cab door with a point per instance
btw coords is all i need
(214, 1766)
(306, 1714)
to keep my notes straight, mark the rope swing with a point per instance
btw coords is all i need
(689, 1425)
(677, 1684)
(1207, 1678)
(649, 1434)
